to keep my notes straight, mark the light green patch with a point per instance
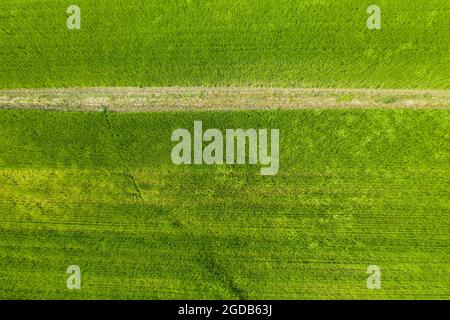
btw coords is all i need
(98, 190)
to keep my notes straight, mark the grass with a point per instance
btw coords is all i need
(275, 43)
(355, 188)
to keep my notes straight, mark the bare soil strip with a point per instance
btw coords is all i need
(233, 98)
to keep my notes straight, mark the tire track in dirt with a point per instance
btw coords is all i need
(129, 99)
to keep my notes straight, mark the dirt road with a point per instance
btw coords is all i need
(202, 98)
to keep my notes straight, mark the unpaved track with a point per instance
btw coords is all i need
(202, 98)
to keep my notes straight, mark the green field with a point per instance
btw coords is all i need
(281, 43)
(99, 190)
(364, 177)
